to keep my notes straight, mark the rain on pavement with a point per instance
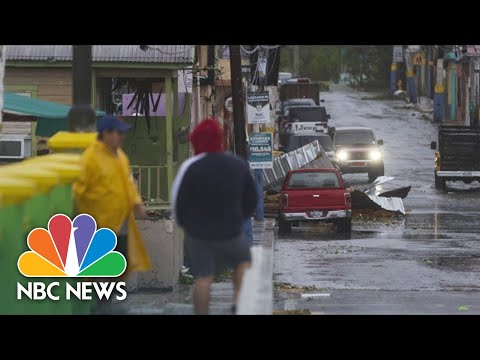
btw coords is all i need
(424, 262)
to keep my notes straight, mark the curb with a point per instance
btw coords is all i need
(256, 293)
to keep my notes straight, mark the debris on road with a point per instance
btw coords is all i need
(385, 204)
(287, 287)
(360, 200)
(292, 312)
(367, 214)
(367, 199)
(400, 192)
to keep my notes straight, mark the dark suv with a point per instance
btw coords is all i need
(358, 151)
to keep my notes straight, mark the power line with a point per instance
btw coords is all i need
(267, 47)
(249, 52)
(270, 47)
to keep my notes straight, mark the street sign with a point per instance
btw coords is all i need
(258, 107)
(260, 150)
(229, 104)
(419, 59)
(398, 53)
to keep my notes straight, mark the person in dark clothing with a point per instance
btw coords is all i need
(212, 196)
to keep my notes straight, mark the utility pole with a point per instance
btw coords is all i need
(3, 55)
(81, 117)
(410, 79)
(296, 60)
(238, 102)
(238, 105)
(393, 73)
(259, 211)
(429, 72)
(439, 95)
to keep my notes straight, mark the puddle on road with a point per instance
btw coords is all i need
(465, 263)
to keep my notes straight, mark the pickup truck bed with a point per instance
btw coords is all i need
(458, 154)
(315, 195)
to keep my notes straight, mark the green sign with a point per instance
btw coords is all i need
(260, 150)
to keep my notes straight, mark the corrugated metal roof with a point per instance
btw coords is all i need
(170, 54)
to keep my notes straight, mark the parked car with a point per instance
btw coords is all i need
(315, 195)
(286, 105)
(358, 151)
(307, 113)
(457, 157)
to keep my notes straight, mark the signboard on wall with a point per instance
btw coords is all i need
(398, 53)
(229, 104)
(260, 154)
(419, 59)
(258, 107)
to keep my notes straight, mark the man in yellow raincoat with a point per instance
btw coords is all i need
(106, 191)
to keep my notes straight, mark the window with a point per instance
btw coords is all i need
(354, 138)
(10, 148)
(312, 180)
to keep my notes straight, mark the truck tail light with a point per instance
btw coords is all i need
(348, 199)
(285, 200)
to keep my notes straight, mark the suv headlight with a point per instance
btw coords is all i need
(375, 155)
(342, 155)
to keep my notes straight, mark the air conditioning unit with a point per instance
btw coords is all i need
(15, 146)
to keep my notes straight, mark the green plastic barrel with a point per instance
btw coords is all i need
(67, 167)
(13, 192)
(37, 210)
(61, 194)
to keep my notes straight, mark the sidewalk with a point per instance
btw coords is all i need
(425, 106)
(256, 296)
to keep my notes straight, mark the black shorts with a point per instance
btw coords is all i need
(209, 258)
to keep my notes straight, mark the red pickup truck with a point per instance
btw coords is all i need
(315, 195)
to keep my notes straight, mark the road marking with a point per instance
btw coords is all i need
(309, 296)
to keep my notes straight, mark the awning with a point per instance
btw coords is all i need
(51, 116)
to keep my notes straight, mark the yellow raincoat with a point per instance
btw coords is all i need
(106, 191)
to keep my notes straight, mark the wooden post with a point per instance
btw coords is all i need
(175, 124)
(169, 131)
(33, 129)
(94, 90)
(238, 102)
(81, 117)
(175, 97)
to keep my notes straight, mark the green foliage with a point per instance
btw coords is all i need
(320, 63)
(368, 65)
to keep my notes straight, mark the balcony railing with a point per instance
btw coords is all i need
(151, 183)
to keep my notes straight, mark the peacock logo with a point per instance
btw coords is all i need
(72, 249)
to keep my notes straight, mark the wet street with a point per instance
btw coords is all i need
(426, 262)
